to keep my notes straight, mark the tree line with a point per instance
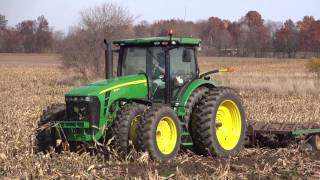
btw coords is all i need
(251, 35)
(28, 36)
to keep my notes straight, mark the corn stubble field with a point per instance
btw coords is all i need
(273, 89)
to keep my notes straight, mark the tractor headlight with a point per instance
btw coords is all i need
(88, 99)
(79, 98)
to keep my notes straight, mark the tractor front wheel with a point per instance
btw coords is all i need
(125, 127)
(220, 123)
(44, 138)
(159, 133)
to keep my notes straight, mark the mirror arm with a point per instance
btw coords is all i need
(208, 73)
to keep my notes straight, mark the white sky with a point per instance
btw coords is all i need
(63, 13)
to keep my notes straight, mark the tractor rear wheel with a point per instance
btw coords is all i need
(159, 133)
(125, 127)
(220, 125)
(44, 137)
(192, 102)
(190, 117)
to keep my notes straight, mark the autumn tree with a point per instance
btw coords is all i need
(287, 39)
(142, 29)
(186, 29)
(35, 35)
(57, 41)
(10, 40)
(258, 37)
(43, 35)
(84, 48)
(180, 28)
(27, 30)
(235, 30)
(315, 34)
(3, 23)
(212, 31)
(13, 41)
(305, 36)
(215, 34)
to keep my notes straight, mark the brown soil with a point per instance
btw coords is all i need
(30, 59)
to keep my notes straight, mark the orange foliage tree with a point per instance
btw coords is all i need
(258, 37)
(287, 39)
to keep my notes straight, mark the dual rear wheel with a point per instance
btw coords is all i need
(217, 125)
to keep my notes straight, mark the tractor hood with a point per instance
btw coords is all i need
(107, 85)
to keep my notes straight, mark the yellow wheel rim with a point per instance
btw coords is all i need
(133, 129)
(317, 141)
(166, 135)
(228, 125)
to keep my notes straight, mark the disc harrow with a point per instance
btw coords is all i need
(280, 134)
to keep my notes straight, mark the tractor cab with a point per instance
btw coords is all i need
(169, 63)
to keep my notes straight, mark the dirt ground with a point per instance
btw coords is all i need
(273, 89)
(30, 59)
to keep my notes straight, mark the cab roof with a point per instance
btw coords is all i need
(159, 40)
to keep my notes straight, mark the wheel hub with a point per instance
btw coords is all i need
(317, 142)
(228, 125)
(166, 135)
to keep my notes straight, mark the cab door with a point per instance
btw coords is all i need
(183, 69)
(156, 72)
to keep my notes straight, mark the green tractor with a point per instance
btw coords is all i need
(157, 102)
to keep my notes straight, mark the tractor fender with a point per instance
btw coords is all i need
(190, 87)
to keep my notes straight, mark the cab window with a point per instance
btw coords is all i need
(134, 60)
(182, 67)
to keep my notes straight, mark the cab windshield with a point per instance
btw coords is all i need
(151, 60)
(141, 60)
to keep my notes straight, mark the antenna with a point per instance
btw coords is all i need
(184, 19)
(185, 13)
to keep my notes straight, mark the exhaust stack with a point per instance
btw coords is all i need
(108, 59)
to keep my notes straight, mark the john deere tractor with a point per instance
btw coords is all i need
(157, 102)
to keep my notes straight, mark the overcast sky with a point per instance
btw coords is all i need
(63, 13)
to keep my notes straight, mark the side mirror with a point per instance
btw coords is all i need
(187, 55)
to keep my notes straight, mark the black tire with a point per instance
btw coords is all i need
(147, 132)
(190, 118)
(44, 138)
(193, 100)
(206, 141)
(122, 126)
